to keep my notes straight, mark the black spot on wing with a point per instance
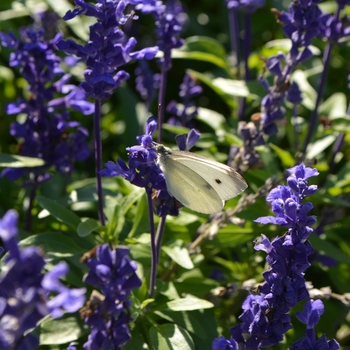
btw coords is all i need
(218, 181)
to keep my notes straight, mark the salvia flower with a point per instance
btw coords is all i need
(143, 171)
(107, 50)
(303, 22)
(170, 19)
(222, 343)
(25, 291)
(313, 309)
(185, 113)
(147, 83)
(46, 132)
(265, 318)
(108, 314)
(337, 29)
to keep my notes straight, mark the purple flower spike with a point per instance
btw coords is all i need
(107, 50)
(265, 317)
(301, 23)
(169, 19)
(185, 113)
(113, 272)
(25, 292)
(147, 83)
(46, 132)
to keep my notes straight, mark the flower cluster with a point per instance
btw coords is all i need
(147, 83)
(45, 133)
(107, 50)
(313, 309)
(303, 22)
(25, 292)
(265, 316)
(169, 19)
(143, 170)
(108, 314)
(184, 114)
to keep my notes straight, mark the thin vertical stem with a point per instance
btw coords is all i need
(161, 101)
(234, 35)
(98, 158)
(160, 234)
(322, 81)
(154, 261)
(247, 43)
(246, 52)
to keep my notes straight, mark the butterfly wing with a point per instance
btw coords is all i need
(226, 182)
(188, 188)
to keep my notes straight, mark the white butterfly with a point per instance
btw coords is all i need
(198, 183)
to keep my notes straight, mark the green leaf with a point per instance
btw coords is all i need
(285, 157)
(59, 212)
(55, 245)
(63, 330)
(87, 227)
(212, 118)
(179, 254)
(232, 87)
(309, 93)
(175, 129)
(170, 337)
(14, 161)
(199, 286)
(146, 302)
(140, 221)
(203, 48)
(286, 45)
(116, 225)
(323, 246)
(131, 198)
(208, 81)
(187, 320)
(238, 88)
(188, 304)
(228, 88)
(318, 146)
(235, 236)
(331, 200)
(136, 341)
(335, 106)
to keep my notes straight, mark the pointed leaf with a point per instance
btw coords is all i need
(285, 157)
(59, 212)
(188, 304)
(14, 161)
(87, 227)
(171, 337)
(63, 330)
(180, 255)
